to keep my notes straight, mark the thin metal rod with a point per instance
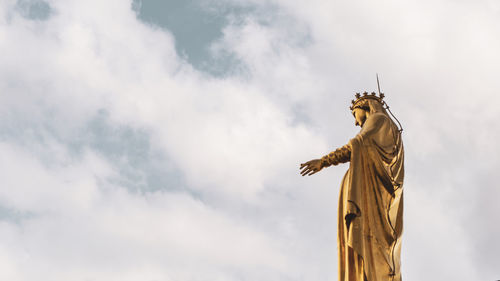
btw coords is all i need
(378, 85)
(387, 107)
(401, 127)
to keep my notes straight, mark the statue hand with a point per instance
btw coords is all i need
(311, 167)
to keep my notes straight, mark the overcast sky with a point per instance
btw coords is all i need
(161, 140)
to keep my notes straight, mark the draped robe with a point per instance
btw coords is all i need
(370, 221)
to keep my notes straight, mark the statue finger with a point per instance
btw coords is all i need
(311, 171)
(314, 172)
(304, 165)
(305, 171)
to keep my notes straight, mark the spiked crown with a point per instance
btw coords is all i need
(359, 98)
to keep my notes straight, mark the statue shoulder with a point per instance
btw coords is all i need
(375, 124)
(379, 116)
(377, 119)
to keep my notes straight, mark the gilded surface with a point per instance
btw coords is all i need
(370, 215)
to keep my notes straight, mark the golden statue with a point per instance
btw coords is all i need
(370, 219)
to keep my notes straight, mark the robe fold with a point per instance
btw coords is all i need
(370, 221)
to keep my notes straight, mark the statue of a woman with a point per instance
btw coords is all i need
(370, 220)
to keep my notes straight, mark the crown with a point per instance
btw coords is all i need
(355, 103)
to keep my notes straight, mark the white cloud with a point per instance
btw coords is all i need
(82, 227)
(242, 211)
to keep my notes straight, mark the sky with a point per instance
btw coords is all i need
(161, 140)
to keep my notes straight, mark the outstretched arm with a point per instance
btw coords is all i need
(340, 155)
(336, 157)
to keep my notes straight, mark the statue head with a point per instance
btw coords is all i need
(360, 115)
(366, 104)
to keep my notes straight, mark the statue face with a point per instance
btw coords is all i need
(360, 116)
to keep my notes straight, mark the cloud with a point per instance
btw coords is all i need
(122, 161)
(84, 227)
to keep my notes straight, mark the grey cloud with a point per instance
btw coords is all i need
(141, 167)
(196, 25)
(13, 215)
(34, 9)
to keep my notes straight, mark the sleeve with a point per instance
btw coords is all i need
(341, 155)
